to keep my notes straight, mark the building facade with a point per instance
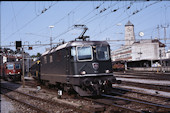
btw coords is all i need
(124, 53)
(138, 50)
(168, 54)
(129, 34)
(148, 50)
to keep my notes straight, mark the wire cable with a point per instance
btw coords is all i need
(29, 22)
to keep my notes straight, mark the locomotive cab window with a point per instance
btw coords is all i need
(17, 66)
(84, 53)
(73, 53)
(10, 66)
(102, 52)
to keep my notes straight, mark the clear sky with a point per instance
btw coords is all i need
(29, 21)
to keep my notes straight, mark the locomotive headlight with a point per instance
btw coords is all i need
(18, 72)
(83, 72)
(9, 72)
(107, 71)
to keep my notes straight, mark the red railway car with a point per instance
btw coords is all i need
(11, 71)
(118, 66)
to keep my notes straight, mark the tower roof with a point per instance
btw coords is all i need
(129, 24)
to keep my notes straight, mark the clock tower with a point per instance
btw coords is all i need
(129, 34)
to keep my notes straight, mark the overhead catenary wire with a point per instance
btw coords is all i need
(99, 16)
(79, 5)
(97, 7)
(17, 14)
(135, 12)
(96, 15)
(25, 25)
(71, 27)
(115, 10)
(62, 18)
(85, 21)
(14, 16)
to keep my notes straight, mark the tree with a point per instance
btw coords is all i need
(37, 55)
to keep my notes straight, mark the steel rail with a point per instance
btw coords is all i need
(29, 105)
(142, 77)
(128, 90)
(137, 101)
(135, 98)
(141, 73)
(48, 101)
(114, 105)
(150, 86)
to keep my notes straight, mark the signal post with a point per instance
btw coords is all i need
(18, 46)
(23, 69)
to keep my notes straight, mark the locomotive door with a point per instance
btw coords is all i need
(67, 61)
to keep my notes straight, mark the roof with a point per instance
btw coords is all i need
(151, 41)
(129, 24)
(75, 43)
(160, 43)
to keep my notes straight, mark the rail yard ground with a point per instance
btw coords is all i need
(153, 83)
(134, 84)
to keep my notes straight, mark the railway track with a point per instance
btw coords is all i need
(142, 100)
(119, 101)
(133, 98)
(142, 72)
(142, 104)
(122, 91)
(40, 105)
(124, 100)
(123, 104)
(145, 80)
(165, 88)
(141, 77)
(112, 107)
(153, 76)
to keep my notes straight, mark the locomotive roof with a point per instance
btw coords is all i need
(12, 62)
(75, 43)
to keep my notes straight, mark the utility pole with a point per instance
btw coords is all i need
(166, 26)
(23, 68)
(140, 53)
(160, 55)
(51, 36)
(158, 33)
(1, 56)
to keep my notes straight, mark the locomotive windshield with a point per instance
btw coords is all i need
(10, 66)
(84, 53)
(102, 52)
(17, 66)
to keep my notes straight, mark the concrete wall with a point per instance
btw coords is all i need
(145, 51)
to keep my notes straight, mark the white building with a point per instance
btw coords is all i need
(148, 50)
(129, 34)
(141, 50)
(168, 54)
(123, 53)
